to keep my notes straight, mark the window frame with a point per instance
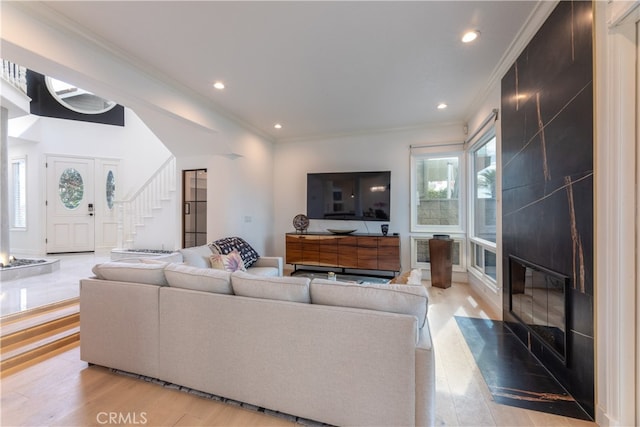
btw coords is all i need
(478, 267)
(481, 142)
(475, 266)
(436, 153)
(458, 267)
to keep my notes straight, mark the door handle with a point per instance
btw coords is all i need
(90, 207)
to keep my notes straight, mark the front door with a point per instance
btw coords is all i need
(70, 205)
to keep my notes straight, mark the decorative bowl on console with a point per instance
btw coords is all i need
(340, 230)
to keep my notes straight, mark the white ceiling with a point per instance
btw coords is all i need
(319, 68)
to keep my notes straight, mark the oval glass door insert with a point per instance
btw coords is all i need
(71, 188)
(111, 189)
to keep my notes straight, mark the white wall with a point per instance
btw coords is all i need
(139, 151)
(239, 189)
(370, 152)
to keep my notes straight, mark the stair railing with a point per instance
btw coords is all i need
(15, 75)
(133, 212)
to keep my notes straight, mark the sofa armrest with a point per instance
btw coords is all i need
(120, 325)
(270, 261)
(425, 378)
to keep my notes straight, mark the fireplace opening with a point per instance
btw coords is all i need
(538, 299)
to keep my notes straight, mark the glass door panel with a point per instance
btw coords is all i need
(194, 209)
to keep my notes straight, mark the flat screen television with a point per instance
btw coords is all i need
(362, 196)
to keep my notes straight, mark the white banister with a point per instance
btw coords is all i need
(133, 211)
(15, 75)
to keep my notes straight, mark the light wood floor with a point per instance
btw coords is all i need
(64, 391)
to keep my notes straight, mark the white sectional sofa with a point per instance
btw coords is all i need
(333, 352)
(198, 256)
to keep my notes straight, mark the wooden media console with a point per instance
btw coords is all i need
(353, 251)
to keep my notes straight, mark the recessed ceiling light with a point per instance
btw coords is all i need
(277, 126)
(470, 36)
(442, 106)
(218, 85)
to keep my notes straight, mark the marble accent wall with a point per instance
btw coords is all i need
(547, 173)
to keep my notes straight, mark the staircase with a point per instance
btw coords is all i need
(31, 336)
(145, 203)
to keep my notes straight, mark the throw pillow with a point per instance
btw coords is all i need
(226, 245)
(229, 262)
(411, 277)
(197, 256)
(401, 279)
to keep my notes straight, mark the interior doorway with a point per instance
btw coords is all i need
(194, 207)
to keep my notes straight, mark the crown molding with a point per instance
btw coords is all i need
(621, 12)
(366, 132)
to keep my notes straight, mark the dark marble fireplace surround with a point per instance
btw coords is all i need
(538, 301)
(547, 173)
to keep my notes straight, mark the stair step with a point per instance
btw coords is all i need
(34, 333)
(39, 348)
(38, 333)
(28, 319)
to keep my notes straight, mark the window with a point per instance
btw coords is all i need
(437, 196)
(19, 193)
(420, 257)
(483, 260)
(436, 192)
(76, 99)
(484, 191)
(483, 209)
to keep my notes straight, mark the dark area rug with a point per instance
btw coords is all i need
(514, 376)
(231, 402)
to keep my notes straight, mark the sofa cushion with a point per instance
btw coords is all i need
(154, 261)
(230, 262)
(172, 257)
(151, 274)
(403, 299)
(199, 279)
(197, 256)
(294, 289)
(264, 271)
(228, 244)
